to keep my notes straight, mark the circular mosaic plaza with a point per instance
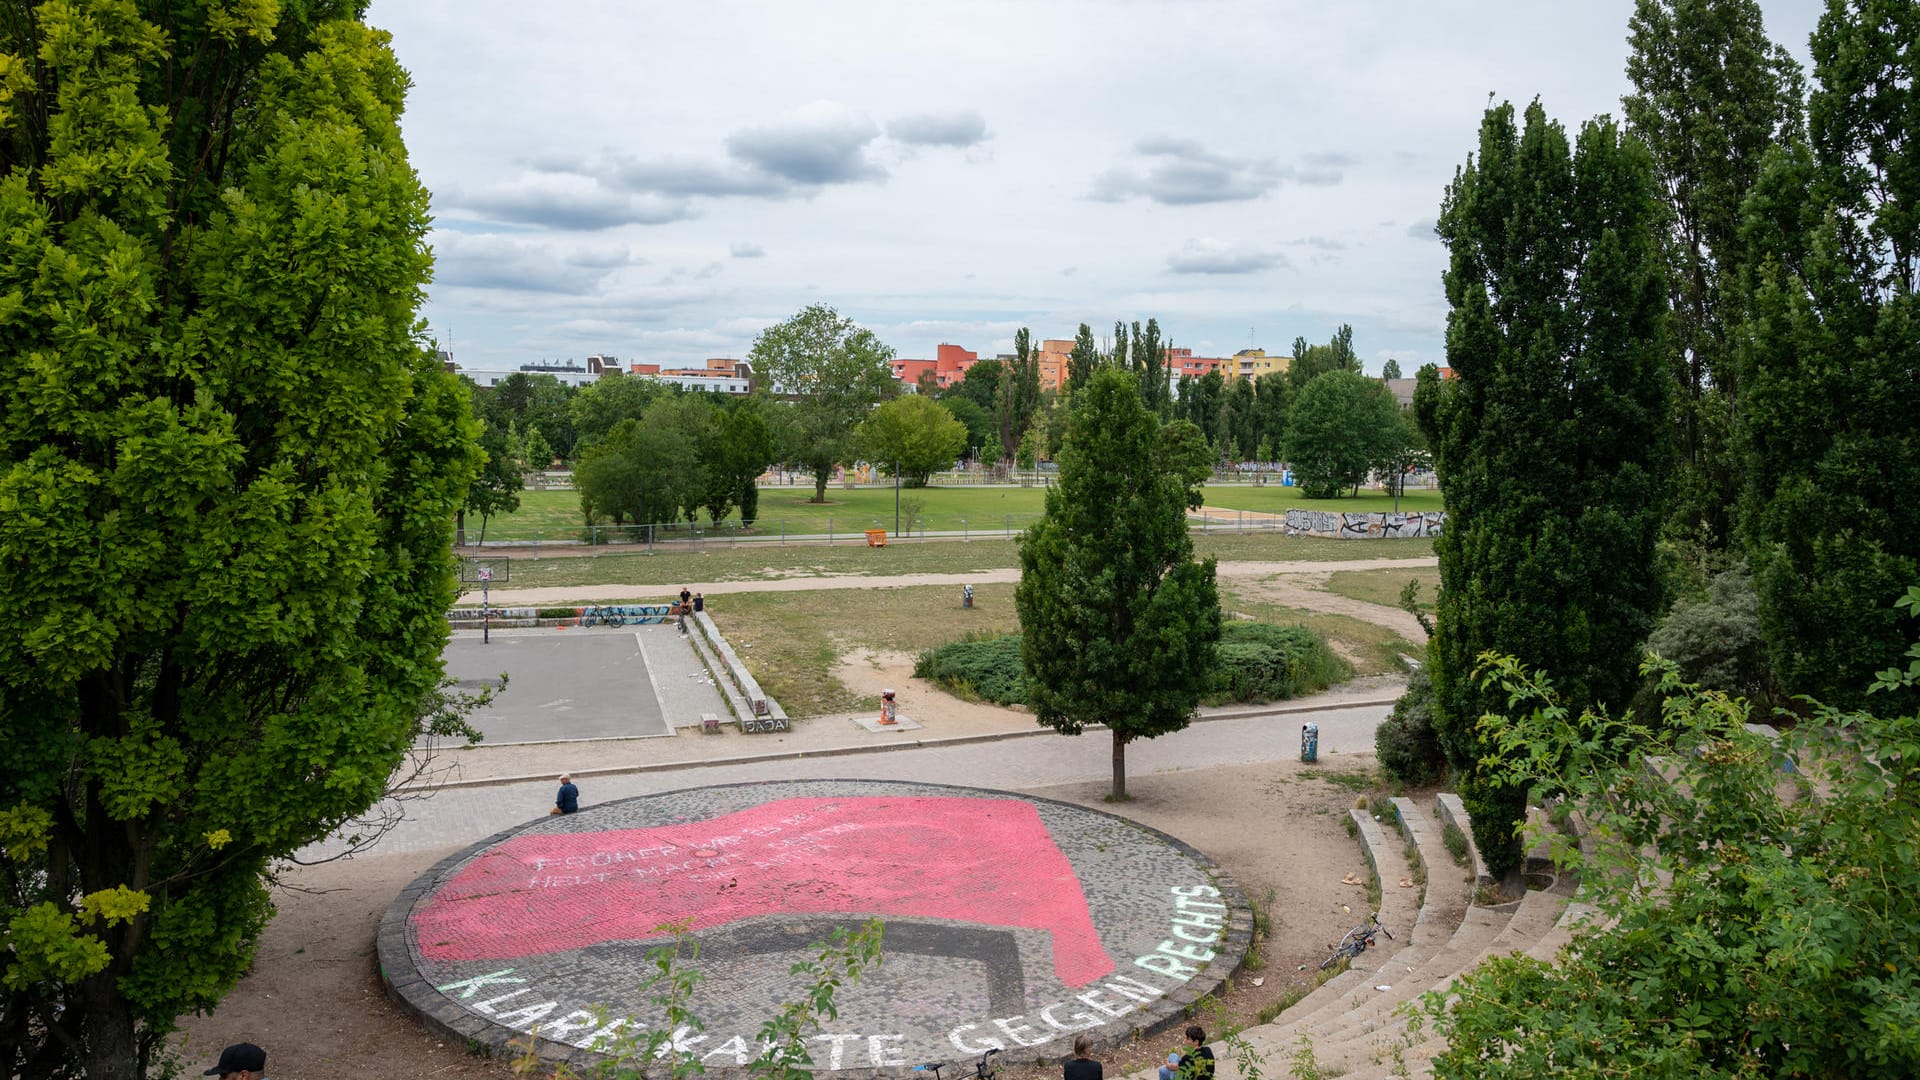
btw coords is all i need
(1010, 922)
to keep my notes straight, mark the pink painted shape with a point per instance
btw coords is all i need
(977, 860)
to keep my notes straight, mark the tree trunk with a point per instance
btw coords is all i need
(1119, 793)
(459, 528)
(112, 1052)
(820, 484)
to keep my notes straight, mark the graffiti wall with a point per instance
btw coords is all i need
(1366, 525)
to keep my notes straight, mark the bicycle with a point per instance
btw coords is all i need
(984, 1069)
(1358, 940)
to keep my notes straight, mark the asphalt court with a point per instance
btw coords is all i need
(582, 684)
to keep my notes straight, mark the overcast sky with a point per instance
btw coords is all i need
(660, 181)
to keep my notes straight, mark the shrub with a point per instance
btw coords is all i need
(1264, 662)
(985, 667)
(1257, 662)
(1404, 742)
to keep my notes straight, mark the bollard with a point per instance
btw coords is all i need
(966, 596)
(886, 706)
(1309, 742)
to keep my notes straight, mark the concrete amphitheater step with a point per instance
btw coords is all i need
(1388, 860)
(1370, 1011)
(1389, 863)
(1369, 1030)
(1449, 887)
(1443, 912)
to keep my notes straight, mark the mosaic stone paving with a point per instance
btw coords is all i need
(1010, 921)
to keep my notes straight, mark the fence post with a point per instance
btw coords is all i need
(783, 532)
(1009, 525)
(829, 530)
(963, 530)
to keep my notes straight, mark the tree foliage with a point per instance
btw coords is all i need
(835, 371)
(1018, 398)
(1119, 622)
(1711, 96)
(228, 468)
(912, 436)
(1338, 430)
(1083, 361)
(1831, 362)
(1550, 439)
(1762, 923)
(1312, 361)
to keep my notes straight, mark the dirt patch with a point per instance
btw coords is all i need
(1308, 590)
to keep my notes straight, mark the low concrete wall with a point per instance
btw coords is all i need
(1366, 525)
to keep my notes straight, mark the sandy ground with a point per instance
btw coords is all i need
(313, 998)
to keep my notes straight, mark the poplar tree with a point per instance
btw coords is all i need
(229, 464)
(1832, 365)
(1711, 95)
(1118, 621)
(1083, 361)
(1551, 438)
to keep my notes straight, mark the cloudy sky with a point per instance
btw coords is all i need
(660, 181)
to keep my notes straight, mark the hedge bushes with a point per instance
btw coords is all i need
(1257, 662)
(1263, 662)
(984, 668)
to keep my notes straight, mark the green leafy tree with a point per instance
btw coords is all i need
(1312, 361)
(602, 403)
(228, 467)
(834, 371)
(1551, 438)
(1272, 402)
(912, 436)
(982, 440)
(496, 487)
(534, 401)
(1337, 432)
(1083, 361)
(980, 385)
(1711, 96)
(1390, 369)
(1757, 923)
(1400, 450)
(1018, 397)
(737, 450)
(1118, 622)
(685, 430)
(1829, 388)
(1200, 404)
(612, 478)
(1149, 356)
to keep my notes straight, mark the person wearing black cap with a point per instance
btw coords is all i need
(244, 1061)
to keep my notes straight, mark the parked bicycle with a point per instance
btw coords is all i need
(1358, 940)
(984, 1069)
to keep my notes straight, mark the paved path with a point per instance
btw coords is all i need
(1019, 757)
(599, 594)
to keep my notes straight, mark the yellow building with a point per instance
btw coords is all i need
(1253, 363)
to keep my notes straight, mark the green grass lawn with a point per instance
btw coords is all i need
(1384, 586)
(555, 515)
(791, 641)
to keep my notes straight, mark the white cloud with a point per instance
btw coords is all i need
(1208, 256)
(963, 128)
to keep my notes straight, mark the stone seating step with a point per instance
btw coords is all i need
(1371, 1028)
